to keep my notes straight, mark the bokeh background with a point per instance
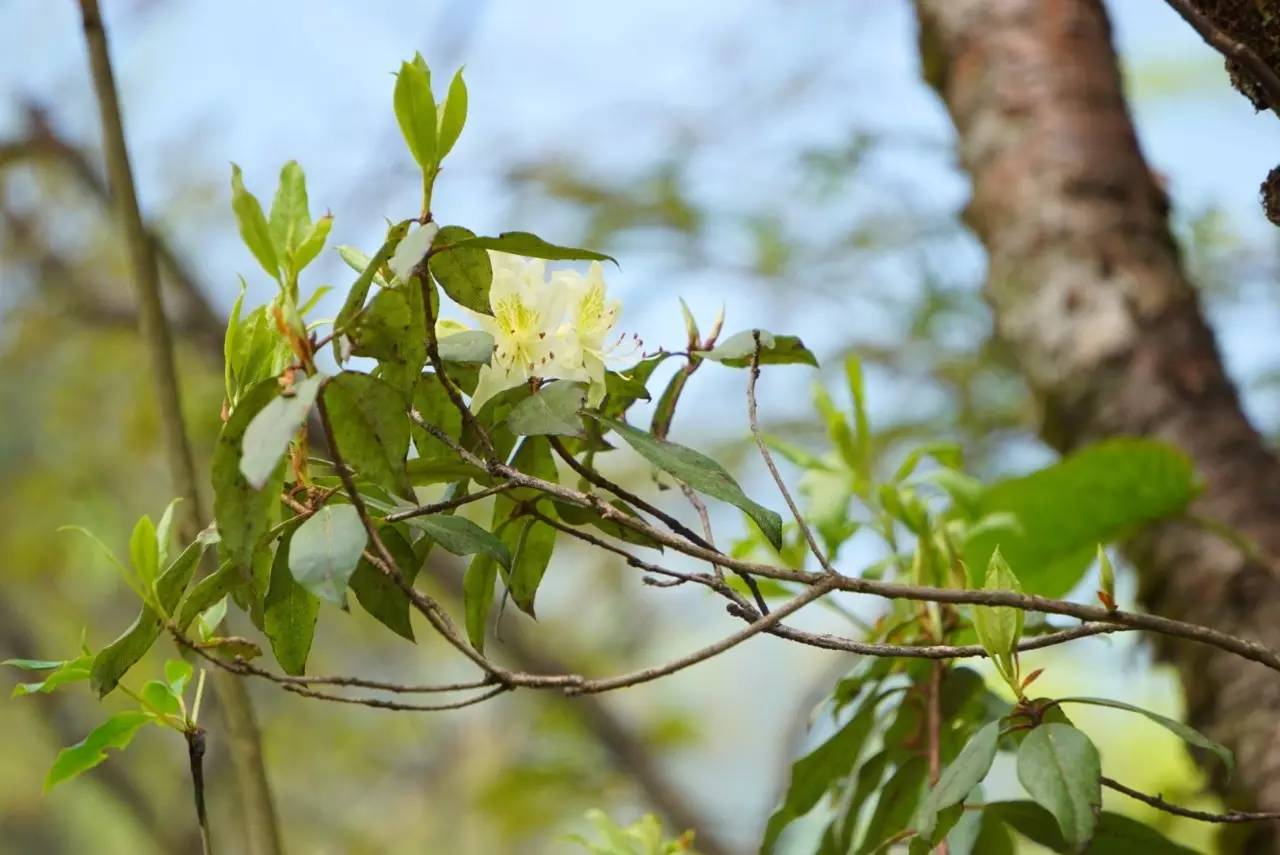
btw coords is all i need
(779, 158)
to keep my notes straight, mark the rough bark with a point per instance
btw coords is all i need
(1087, 287)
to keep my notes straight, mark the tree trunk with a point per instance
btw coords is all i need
(1087, 287)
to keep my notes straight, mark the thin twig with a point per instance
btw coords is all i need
(1250, 650)
(195, 756)
(1232, 816)
(382, 558)
(753, 418)
(438, 507)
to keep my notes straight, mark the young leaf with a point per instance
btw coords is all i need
(290, 218)
(959, 779)
(271, 430)
(416, 113)
(178, 673)
(554, 410)
(115, 660)
(164, 533)
(289, 615)
(530, 246)
(699, 472)
(325, 549)
(999, 628)
(738, 350)
(360, 288)
(378, 594)
(254, 230)
(461, 536)
(116, 732)
(1182, 731)
(464, 272)
(309, 247)
(1059, 768)
(371, 427)
(1106, 579)
(453, 114)
(144, 552)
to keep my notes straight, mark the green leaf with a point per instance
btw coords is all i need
(144, 551)
(462, 537)
(391, 330)
(1115, 834)
(530, 556)
(959, 779)
(896, 804)
(554, 410)
(244, 513)
(254, 230)
(416, 113)
(528, 245)
(578, 516)
(737, 350)
(472, 346)
(1097, 495)
(434, 406)
(813, 774)
(999, 628)
(289, 613)
(208, 592)
(290, 219)
(358, 261)
(477, 596)
(1186, 734)
(273, 428)
(453, 114)
(378, 594)
(699, 472)
(325, 549)
(464, 272)
(1059, 768)
(360, 288)
(371, 428)
(34, 664)
(70, 671)
(115, 660)
(116, 732)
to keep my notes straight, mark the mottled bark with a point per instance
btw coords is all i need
(1088, 289)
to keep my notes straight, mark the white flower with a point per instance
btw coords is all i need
(526, 312)
(553, 329)
(592, 317)
(412, 249)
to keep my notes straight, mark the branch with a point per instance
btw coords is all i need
(1235, 51)
(1232, 816)
(1249, 650)
(255, 793)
